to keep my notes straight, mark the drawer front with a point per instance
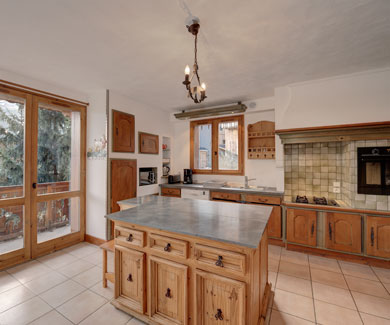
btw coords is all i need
(225, 196)
(262, 199)
(129, 237)
(165, 191)
(168, 246)
(195, 194)
(220, 259)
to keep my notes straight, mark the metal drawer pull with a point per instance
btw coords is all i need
(218, 315)
(372, 236)
(167, 248)
(130, 278)
(219, 262)
(130, 238)
(168, 293)
(330, 231)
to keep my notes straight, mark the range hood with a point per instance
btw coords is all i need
(214, 111)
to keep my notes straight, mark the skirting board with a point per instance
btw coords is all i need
(94, 240)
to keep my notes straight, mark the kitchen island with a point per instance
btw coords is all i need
(183, 261)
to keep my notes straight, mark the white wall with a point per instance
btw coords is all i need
(147, 119)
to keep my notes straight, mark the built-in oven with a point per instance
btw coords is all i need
(374, 170)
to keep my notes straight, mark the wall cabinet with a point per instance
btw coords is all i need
(302, 226)
(148, 143)
(130, 288)
(378, 236)
(219, 300)
(123, 137)
(343, 232)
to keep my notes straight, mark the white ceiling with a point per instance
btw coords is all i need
(139, 48)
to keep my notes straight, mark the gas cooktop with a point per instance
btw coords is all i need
(316, 200)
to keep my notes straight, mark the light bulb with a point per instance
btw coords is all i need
(187, 70)
(203, 85)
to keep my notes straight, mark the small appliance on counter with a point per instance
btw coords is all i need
(172, 179)
(187, 176)
(166, 170)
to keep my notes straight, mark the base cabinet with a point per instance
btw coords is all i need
(130, 288)
(275, 223)
(378, 236)
(302, 226)
(219, 300)
(343, 232)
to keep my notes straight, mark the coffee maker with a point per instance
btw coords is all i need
(187, 176)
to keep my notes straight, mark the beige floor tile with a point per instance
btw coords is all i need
(89, 277)
(323, 263)
(299, 271)
(295, 285)
(7, 282)
(95, 258)
(272, 278)
(57, 259)
(333, 295)
(294, 257)
(328, 314)
(45, 282)
(75, 268)
(82, 250)
(107, 314)
(59, 294)
(358, 270)
(135, 321)
(369, 287)
(373, 320)
(51, 318)
(372, 305)
(14, 297)
(274, 251)
(25, 312)
(294, 304)
(107, 293)
(279, 318)
(383, 274)
(273, 265)
(387, 286)
(28, 271)
(81, 306)
(329, 278)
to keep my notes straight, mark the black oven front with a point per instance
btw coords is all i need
(374, 170)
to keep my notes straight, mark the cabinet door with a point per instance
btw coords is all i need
(168, 291)
(123, 132)
(219, 300)
(302, 226)
(130, 278)
(343, 232)
(275, 223)
(148, 143)
(378, 236)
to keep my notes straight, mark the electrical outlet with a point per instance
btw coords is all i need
(336, 189)
(336, 184)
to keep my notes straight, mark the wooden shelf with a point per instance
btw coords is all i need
(261, 140)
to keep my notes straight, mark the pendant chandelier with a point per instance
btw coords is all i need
(196, 92)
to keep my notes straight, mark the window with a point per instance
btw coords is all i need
(217, 146)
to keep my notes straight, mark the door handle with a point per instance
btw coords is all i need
(130, 278)
(34, 185)
(130, 238)
(219, 261)
(167, 248)
(330, 231)
(372, 236)
(218, 315)
(168, 293)
(312, 229)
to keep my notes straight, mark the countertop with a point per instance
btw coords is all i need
(270, 191)
(232, 223)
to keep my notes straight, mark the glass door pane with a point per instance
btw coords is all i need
(11, 228)
(203, 146)
(228, 145)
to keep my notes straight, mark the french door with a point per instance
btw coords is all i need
(42, 175)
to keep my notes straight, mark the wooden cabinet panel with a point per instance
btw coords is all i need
(275, 223)
(225, 196)
(219, 300)
(378, 236)
(123, 132)
(148, 143)
(130, 278)
(168, 246)
(220, 259)
(255, 198)
(174, 192)
(343, 232)
(129, 237)
(168, 291)
(302, 226)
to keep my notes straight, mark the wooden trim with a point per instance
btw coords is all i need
(33, 91)
(57, 196)
(385, 263)
(214, 142)
(12, 202)
(276, 242)
(94, 240)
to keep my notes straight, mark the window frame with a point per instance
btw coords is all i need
(214, 145)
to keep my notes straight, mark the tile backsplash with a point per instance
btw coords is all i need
(311, 169)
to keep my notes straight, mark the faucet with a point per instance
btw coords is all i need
(247, 181)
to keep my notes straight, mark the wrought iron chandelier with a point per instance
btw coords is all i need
(198, 92)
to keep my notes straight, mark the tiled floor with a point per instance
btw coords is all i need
(65, 288)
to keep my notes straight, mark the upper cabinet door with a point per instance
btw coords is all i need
(123, 132)
(148, 143)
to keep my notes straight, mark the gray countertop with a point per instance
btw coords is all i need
(266, 191)
(232, 223)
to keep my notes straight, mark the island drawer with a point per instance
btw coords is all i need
(129, 237)
(220, 259)
(253, 198)
(168, 246)
(166, 191)
(225, 196)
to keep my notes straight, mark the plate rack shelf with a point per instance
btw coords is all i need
(261, 140)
